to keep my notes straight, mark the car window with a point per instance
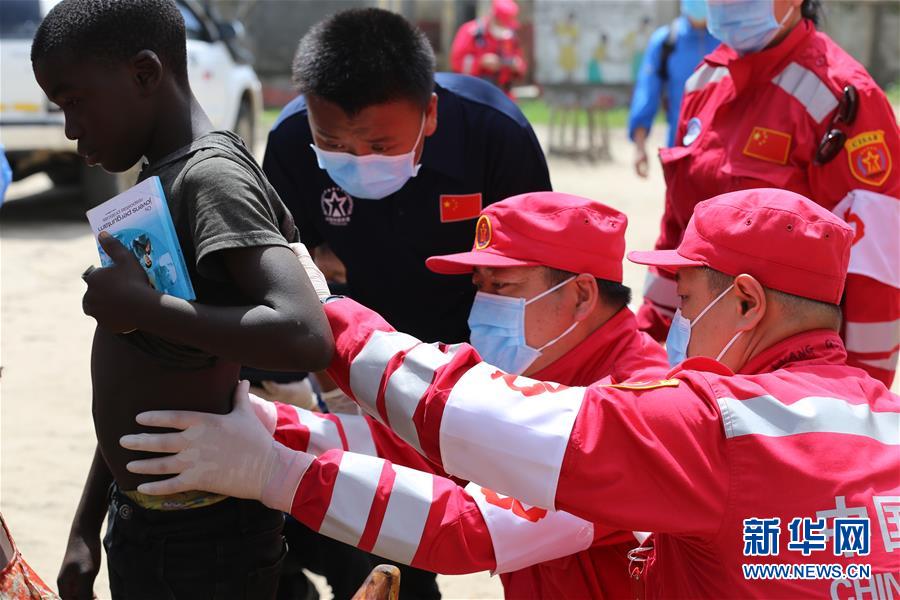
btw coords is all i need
(19, 19)
(192, 25)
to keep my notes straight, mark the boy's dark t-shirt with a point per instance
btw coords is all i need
(219, 199)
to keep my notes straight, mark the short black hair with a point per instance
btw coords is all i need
(612, 293)
(812, 10)
(795, 307)
(114, 30)
(365, 56)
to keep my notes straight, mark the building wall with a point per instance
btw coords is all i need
(869, 31)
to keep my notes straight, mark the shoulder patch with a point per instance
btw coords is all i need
(645, 385)
(869, 157)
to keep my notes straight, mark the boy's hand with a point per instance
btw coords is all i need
(80, 566)
(115, 293)
(231, 454)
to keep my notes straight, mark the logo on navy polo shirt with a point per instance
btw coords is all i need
(337, 206)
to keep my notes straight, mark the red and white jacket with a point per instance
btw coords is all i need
(473, 40)
(411, 511)
(797, 433)
(756, 121)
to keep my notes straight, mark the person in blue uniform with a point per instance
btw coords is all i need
(384, 163)
(672, 54)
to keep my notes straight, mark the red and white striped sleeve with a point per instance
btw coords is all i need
(428, 521)
(871, 329)
(316, 433)
(433, 398)
(539, 441)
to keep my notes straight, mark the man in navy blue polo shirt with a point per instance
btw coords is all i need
(388, 164)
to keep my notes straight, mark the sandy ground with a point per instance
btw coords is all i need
(46, 433)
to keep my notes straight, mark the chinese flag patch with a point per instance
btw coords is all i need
(459, 207)
(769, 145)
(870, 160)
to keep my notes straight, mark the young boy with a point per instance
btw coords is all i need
(118, 70)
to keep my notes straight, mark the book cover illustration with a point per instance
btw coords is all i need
(139, 218)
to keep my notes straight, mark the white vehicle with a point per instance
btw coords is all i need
(31, 127)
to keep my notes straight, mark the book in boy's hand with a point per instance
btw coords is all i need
(139, 218)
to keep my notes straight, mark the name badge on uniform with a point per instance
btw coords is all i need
(460, 207)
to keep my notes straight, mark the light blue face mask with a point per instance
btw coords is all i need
(680, 334)
(373, 176)
(745, 25)
(695, 10)
(497, 324)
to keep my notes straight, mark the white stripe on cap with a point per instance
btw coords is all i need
(872, 338)
(351, 499)
(703, 77)
(406, 387)
(323, 433)
(493, 433)
(367, 368)
(808, 89)
(358, 434)
(405, 515)
(767, 416)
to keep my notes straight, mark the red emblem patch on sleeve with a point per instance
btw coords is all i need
(769, 145)
(869, 157)
(459, 207)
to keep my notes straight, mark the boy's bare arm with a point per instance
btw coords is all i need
(281, 327)
(81, 562)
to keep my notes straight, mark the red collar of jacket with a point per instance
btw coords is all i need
(816, 347)
(820, 346)
(762, 64)
(595, 357)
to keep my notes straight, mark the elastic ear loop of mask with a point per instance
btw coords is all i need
(547, 293)
(709, 306)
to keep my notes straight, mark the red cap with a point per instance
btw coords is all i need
(784, 240)
(547, 229)
(505, 12)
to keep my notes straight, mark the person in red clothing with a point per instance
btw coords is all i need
(779, 104)
(18, 581)
(488, 48)
(553, 263)
(771, 470)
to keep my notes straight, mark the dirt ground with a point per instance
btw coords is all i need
(46, 433)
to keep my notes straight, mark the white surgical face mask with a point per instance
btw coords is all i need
(680, 333)
(745, 25)
(500, 32)
(497, 324)
(373, 176)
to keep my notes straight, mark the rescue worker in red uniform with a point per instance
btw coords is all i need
(574, 310)
(488, 47)
(752, 468)
(779, 104)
